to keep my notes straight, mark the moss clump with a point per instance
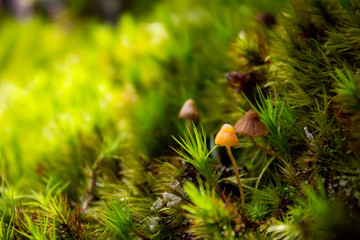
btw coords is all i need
(113, 161)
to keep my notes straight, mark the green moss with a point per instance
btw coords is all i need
(96, 107)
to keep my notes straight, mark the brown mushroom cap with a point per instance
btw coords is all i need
(251, 124)
(226, 136)
(189, 111)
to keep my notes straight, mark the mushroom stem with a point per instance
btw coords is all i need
(237, 176)
(264, 149)
(189, 124)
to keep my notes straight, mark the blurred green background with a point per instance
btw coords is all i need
(78, 75)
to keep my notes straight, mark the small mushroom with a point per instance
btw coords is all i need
(250, 124)
(227, 137)
(190, 112)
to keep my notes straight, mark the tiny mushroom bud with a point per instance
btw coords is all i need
(251, 125)
(227, 137)
(190, 112)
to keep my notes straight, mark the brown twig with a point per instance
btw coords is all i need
(90, 192)
(141, 235)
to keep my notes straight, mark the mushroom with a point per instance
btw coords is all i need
(250, 124)
(227, 137)
(190, 112)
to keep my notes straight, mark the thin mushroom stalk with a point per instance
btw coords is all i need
(263, 149)
(189, 124)
(227, 137)
(228, 149)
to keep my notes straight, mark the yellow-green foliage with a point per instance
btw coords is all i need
(69, 83)
(88, 111)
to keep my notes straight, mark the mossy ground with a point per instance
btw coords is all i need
(91, 145)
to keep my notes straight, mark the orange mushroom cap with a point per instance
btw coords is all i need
(251, 124)
(226, 136)
(189, 111)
